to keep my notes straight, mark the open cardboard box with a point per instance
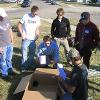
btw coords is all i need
(41, 85)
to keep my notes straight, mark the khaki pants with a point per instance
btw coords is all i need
(63, 42)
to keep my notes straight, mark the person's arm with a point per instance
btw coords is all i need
(66, 86)
(1, 50)
(56, 53)
(39, 50)
(20, 30)
(71, 84)
(95, 36)
(52, 29)
(37, 32)
(77, 35)
(68, 27)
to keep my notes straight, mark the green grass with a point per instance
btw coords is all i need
(9, 5)
(7, 87)
(78, 4)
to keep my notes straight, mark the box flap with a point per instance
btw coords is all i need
(23, 83)
(39, 95)
(46, 70)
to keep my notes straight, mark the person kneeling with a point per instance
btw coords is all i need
(48, 52)
(75, 87)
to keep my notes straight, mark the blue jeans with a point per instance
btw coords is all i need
(28, 52)
(6, 59)
(67, 96)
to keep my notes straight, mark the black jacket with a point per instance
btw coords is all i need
(60, 29)
(89, 33)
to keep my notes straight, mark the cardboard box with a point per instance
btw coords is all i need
(41, 85)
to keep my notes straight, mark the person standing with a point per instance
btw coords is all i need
(6, 45)
(29, 29)
(86, 37)
(60, 30)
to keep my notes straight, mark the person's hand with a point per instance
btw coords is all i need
(23, 36)
(12, 42)
(36, 37)
(58, 78)
(1, 50)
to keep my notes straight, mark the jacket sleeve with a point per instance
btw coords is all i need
(39, 50)
(56, 53)
(95, 36)
(68, 27)
(52, 29)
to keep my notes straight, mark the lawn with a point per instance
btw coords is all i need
(78, 4)
(9, 5)
(7, 87)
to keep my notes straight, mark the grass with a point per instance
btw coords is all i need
(7, 87)
(9, 5)
(78, 4)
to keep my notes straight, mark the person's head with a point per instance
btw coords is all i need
(60, 12)
(34, 10)
(2, 14)
(47, 40)
(74, 57)
(85, 18)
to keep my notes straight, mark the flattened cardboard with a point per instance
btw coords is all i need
(46, 88)
(23, 83)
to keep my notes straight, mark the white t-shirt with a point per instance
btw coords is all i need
(30, 24)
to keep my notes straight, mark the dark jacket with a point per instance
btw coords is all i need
(87, 36)
(79, 80)
(60, 29)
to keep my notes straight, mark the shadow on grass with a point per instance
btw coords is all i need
(96, 67)
(16, 62)
(17, 50)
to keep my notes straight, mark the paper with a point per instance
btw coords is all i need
(61, 71)
(42, 59)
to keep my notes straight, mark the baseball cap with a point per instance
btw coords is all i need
(73, 53)
(3, 12)
(85, 15)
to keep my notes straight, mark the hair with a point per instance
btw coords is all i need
(34, 8)
(76, 58)
(60, 10)
(46, 38)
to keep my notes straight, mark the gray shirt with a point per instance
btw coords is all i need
(4, 32)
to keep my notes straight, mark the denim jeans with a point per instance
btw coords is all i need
(6, 59)
(67, 96)
(28, 52)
